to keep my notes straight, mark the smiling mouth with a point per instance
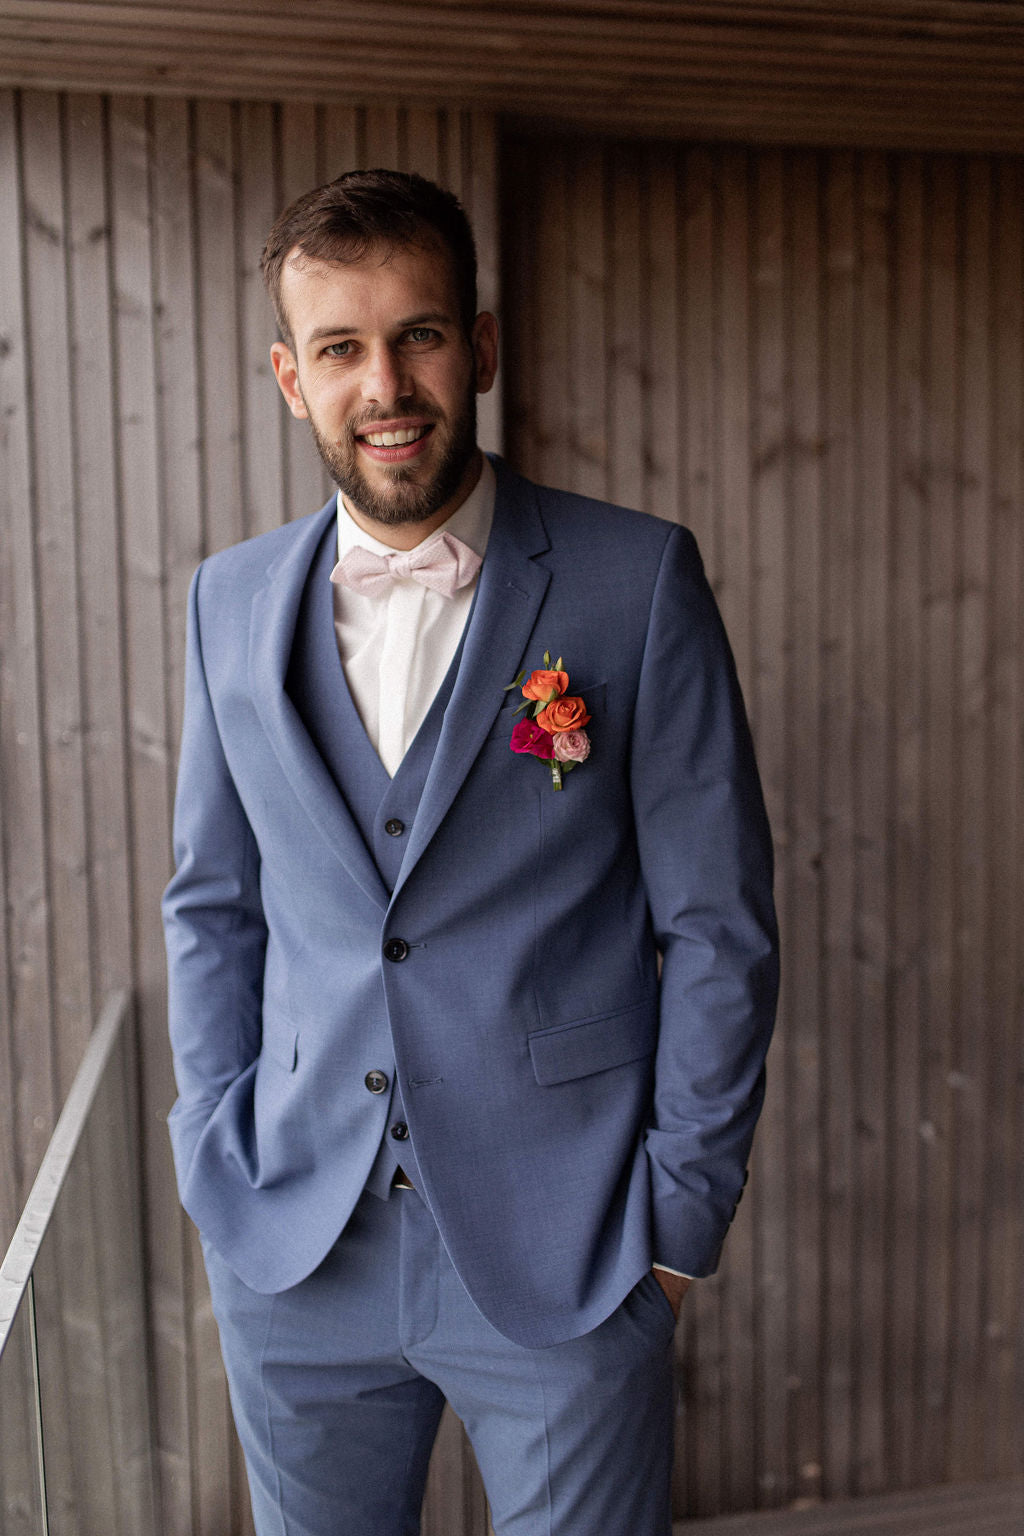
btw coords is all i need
(398, 439)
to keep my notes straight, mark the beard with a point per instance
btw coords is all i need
(403, 500)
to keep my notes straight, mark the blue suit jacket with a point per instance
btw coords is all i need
(574, 1113)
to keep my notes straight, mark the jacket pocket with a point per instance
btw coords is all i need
(282, 1046)
(595, 1044)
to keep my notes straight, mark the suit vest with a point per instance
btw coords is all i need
(382, 808)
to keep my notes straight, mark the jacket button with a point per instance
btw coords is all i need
(376, 1081)
(395, 949)
(394, 827)
(400, 1131)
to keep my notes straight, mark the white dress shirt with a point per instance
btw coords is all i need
(396, 648)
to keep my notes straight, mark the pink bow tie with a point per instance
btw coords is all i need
(444, 565)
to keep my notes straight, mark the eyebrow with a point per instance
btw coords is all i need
(432, 316)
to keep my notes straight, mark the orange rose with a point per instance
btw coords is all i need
(539, 685)
(568, 714)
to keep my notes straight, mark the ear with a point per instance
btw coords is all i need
(484, 339)
(286, 372)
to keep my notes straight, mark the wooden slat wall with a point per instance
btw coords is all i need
(140, 430)
(815, 360)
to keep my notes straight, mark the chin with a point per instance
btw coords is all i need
(397, 499)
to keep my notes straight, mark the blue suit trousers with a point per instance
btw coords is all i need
(338, 1384)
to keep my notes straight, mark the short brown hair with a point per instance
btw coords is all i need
(341, 220)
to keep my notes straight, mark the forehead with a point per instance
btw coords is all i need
(384, 286)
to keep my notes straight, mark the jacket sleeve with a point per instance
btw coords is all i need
(213, 917)
(706, 857)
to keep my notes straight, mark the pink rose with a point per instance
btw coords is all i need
(528, 736)
(571, 746)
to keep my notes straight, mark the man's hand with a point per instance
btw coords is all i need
(675, 1288)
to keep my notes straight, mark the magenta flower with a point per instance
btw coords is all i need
(527, 736)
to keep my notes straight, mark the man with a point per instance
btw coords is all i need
(439, 1112)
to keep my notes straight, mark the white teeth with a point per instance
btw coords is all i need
(394, 439)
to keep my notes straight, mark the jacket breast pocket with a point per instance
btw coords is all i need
(593, 1045)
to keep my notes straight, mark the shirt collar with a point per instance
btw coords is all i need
(471, 522)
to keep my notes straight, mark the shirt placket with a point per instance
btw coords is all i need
(405, 606)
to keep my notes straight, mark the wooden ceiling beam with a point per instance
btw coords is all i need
(910, 73)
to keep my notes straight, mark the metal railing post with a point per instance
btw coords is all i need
(37, 1394)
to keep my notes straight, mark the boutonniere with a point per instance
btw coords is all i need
(553, 730)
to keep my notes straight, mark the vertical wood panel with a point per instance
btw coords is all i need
(31, 1050)
(217, 318)
(306, 483)
(697, 367)
(841, 1255)
(799, 883)
(850, 455)
(113, 1318)
(264, 422)
(733, 399)
(666, 416)
(624, 304)
(767, 702)
(147, 659)
(591, 413)
(1004, 1180)
(343, 137)
(905, 1229)
(383, 145)
(941, 580)
(58, 577)
(736, 597)
(966, 1430)
(479, 140)
(872, 811)
(178, 1310)
(95, 485)
(26, 908)
(221, 377)
(13, 485)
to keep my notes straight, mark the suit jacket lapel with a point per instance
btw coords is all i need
(508, 598)
(273, 617)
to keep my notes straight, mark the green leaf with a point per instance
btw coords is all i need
(558, 664)
(516, 681)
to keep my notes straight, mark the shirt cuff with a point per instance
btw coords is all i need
(669, 1271)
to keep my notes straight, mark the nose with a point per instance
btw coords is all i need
(385, 378)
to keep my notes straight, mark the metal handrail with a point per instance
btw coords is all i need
(16, 1270)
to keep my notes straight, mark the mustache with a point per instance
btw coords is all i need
(410, 407)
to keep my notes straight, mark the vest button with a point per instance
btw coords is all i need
(394, 827)
(376, 1081)
(395, 949)
(400, 1131)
